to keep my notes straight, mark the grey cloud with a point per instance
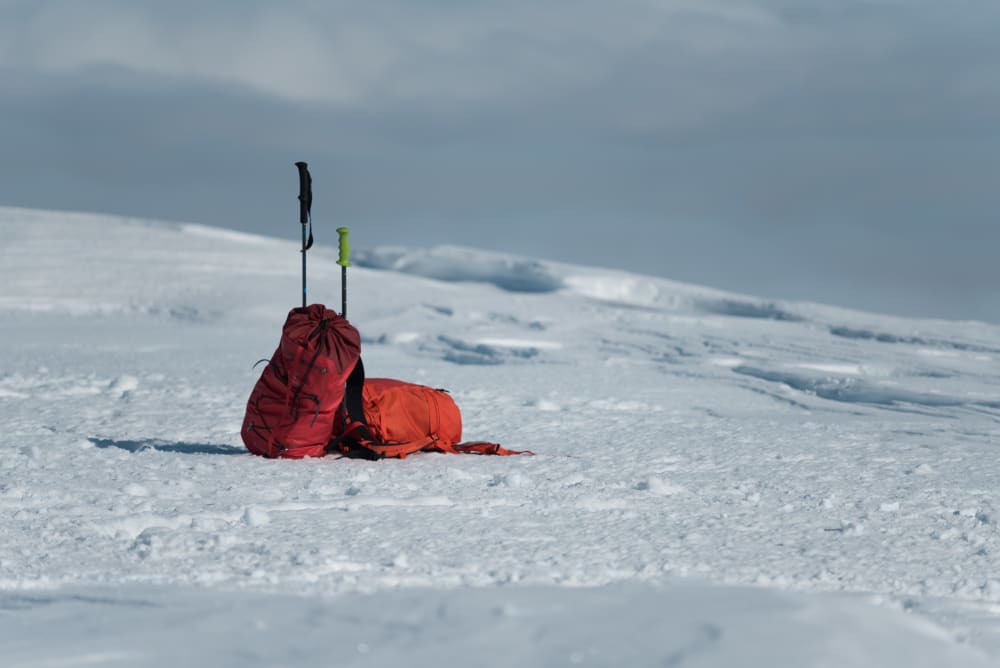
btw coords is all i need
(842, 152)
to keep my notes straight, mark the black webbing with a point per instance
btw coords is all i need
(353, 399)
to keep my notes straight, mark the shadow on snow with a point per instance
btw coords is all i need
(167, 446)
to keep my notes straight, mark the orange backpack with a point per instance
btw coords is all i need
(397, 419)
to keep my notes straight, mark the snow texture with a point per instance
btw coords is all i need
(720, 480)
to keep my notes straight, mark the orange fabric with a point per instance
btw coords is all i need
(399, 412)
(404, 418)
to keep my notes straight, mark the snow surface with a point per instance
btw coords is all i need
(721, 480)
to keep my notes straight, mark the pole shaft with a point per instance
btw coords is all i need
(344, 261)
(343, 292)
(303, 266)
(305, 217)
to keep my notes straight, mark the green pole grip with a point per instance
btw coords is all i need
(345, 248)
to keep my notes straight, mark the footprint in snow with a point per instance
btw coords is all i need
(122, 385)
(660, 487)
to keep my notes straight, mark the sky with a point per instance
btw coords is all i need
(838, 151)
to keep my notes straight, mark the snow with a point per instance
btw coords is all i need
(681, 624)
(720, 479)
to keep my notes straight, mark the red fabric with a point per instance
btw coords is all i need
(294, 406)
(484, 448)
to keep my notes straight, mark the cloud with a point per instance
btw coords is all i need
(794, 149)
(653, 68)
(271, 51)
(354, 54)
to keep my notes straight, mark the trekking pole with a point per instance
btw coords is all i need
(305, 217)
(344, 262)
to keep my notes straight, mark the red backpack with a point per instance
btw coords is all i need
(296, 403)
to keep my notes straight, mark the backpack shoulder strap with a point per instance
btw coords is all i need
(354, 401)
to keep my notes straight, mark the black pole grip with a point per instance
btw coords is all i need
(305, 192)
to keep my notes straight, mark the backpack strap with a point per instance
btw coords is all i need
(350, 444)
(354, 405)
(355, 429)
(484, 448)
(400, 450)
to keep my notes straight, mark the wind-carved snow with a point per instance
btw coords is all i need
(743, 308)
(697, 451)
(456, 264)
(616, 289)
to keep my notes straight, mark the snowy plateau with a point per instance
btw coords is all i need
(720, 480)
